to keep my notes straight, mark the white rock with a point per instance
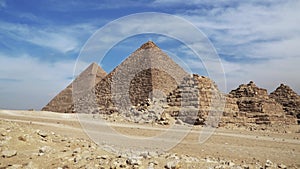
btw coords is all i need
(14, 166)
(45, 149)
(282, 166)
(42, 133)
(9, 153)
(269, 163)
(172, 165)
(133, 161)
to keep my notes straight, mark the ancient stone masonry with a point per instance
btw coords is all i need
(195, 100)
(63, 102)
(256, 107)
(150, 87)
(146, 73)
(289, 99)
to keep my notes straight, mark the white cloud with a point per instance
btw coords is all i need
(58, 41)
(60, 38)
(27, 82)
(267, 34)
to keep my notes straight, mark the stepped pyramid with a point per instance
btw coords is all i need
(255, 106)
(146, 73)
(63, 102)
(289, 99)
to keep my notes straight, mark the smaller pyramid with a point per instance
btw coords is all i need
(289, 99)
(63, 101)
(249, 90)
(255, 104)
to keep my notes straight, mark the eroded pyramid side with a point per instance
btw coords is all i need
(63, 101)
(289, 99)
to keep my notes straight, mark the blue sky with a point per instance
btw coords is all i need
(41, 40)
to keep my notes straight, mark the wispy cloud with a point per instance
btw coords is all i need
(255, 37)
(60, 38)
(2, 4)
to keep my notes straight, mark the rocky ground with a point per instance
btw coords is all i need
(57, 141)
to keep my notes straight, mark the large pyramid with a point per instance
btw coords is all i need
(63, 102)
(146, 73)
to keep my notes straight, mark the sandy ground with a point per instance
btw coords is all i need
(229, 147)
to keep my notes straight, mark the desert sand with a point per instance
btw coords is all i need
(40, 139)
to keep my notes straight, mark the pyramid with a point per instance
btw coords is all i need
(255, 106)
(147, 73)
(63, 102)
(289, 99)
(150, 76)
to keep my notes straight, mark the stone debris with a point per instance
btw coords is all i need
(282, 166)
(8, 153)
(42, 133)
(172, 165)
(68, 152)
(43, 150)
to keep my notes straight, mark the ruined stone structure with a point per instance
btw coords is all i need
(196, 98)
(63, 102)
(149, 78)
(289, 99)
(255, 106)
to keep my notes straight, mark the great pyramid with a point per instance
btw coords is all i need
(146, 73)
(63, 102)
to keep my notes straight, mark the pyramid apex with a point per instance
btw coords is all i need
(149, 44)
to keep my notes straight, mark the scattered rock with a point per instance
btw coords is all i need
(14, 166)
(42, 133)
(43, 150)
(22, 138)
(172, 165)
(282, 166)
(9, 153)
(133, 161)
(269, 163)
(4, 133)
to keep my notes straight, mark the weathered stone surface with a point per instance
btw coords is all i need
(136, 79)
(63, 102)
(255, 106)
(289, 99)
(149, 85)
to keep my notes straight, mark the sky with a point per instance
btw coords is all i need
(40, 42)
